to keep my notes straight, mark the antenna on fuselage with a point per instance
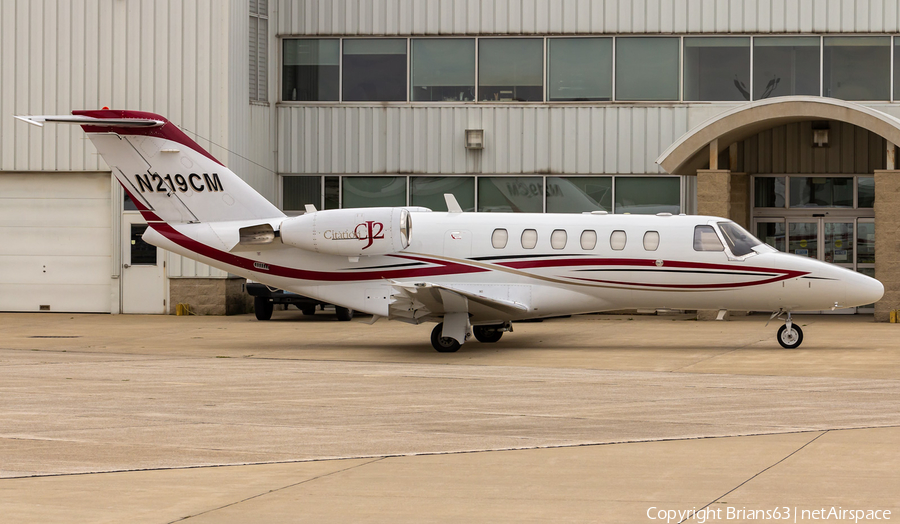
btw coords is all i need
(452, 205)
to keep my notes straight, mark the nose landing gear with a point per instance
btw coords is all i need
(789, 335)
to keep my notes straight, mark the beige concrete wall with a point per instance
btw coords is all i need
(714, 192)
(740, 199)
(887, 241)
(206, 296)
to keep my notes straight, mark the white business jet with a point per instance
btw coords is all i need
(471, 273)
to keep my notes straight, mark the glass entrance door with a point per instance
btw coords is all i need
(846, 242)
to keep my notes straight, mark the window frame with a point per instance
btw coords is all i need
(894, 68)
(261, 18)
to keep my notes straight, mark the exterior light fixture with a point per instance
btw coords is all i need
(474, 138)
(820, 134)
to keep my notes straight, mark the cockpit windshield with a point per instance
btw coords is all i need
(739, 240)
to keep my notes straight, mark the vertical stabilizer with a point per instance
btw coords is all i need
(164, 171)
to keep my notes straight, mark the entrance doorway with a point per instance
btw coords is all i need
(143, 269)
(828, 218)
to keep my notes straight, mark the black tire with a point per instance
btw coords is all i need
(792, 339)
(308, 311)
(443, 344)
(487, 334)
(263, 308)
(343, 314)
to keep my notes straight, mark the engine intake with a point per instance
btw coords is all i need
(350, 232)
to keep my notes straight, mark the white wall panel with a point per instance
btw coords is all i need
(170, 58)
(431, 17)
(518, 139)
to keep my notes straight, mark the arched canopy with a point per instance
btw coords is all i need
(691, 151)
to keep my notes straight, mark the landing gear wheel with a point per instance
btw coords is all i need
(343, 314)
(309, 311)
(443, 344)
(263, 308)
(487, 334)
(790, 338)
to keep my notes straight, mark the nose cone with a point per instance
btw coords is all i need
(863, 290)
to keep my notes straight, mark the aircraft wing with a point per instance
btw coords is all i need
(419, 301)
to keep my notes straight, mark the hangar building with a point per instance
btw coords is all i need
(779, 115)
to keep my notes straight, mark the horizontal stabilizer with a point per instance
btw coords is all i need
(90, 121)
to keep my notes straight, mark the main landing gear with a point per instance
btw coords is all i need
(486, 334)
(789, 335)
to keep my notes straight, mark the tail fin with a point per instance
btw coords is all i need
(165, 171)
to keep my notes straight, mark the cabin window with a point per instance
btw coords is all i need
(706, 239)
(588, 239)
(651, 240)
(499, 238)
(529, 238)
(558, 239)
(617, 240)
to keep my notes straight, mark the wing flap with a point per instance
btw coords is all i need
(422, 300)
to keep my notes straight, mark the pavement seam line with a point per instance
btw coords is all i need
(441, 453)
(732, 490)
(275, 490)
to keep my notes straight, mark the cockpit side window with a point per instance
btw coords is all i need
(706, 239)
(740, 242)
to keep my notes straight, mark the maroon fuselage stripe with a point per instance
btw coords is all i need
(444, 267)
(452, 268)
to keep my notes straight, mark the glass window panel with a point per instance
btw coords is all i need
(785, 66)
(651, 240)
(857, 67)
(717, 68)
(821, 192)
(511, 194)
(771, 233)
(558, 239)
(579, 69)
(588, 239)
(768, 192)
(706, 239)
(142, 253)
(739, 240)
(510, 69)
(803, 239)
(529, 238)
(499, 238)
(332, 192)
(865, 243)
(128, 204)
(896, 69)
(839, 242)
(443, 69)
(429, 192)
(375, 69)
(617, 240)
(374, 191)
(865, 191)
(647, 68)
(579, 194)
(648, 195)
(311, 69)
(297, 191)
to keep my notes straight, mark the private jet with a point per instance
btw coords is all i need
(473, 274)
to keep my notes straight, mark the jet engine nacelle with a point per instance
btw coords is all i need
(350, 232)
